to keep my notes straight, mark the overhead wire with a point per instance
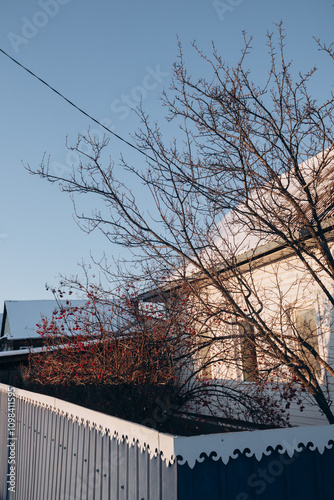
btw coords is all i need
(77, 107)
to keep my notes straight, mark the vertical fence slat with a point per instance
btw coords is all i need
(98, 466)
(3, 448)
(91, 464)
(49, 448)
(41, 464)
(80, 457)
(18, 410)
(53, 451)
(114, 467)
(59, 455)
(122, 469)
(106, 468)
(169, 482)
(37, 452)
(31, 455)
(85, 465)
(154, 477)
(64, 457)
(74, 463)
(133, 472)
(25, 436)
(143, 459)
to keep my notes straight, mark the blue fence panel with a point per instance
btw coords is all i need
(306, 475)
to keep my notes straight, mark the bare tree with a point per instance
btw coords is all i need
(110, 353)
(134, 361)
(243, 216)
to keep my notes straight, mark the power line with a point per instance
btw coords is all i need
(77, 107)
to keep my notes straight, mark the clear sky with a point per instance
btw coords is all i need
(104, 55)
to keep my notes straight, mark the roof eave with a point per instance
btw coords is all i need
(244, 259)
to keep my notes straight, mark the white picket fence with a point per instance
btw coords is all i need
(63, 451)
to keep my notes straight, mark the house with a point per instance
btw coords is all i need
(19, 326)
(19, 332)
(266, 278)
(20, 319)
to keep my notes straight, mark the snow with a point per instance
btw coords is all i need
(23, 315)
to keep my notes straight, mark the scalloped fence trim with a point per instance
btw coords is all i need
(253, 443)
(188, 450)
(150, 440)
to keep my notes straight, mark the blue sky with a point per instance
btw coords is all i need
(102, 55)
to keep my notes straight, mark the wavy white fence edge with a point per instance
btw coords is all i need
(188, 449)
(147, 439)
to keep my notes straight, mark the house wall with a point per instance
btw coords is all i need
(7, 326)
(280, 283)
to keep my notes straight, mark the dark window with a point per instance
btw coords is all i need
(248, 353)
(306, 325)
(205, 358)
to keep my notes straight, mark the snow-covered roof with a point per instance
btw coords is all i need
(239, 232)
(21, 316)
(239, 235)
(21, 352)
(270, 202)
